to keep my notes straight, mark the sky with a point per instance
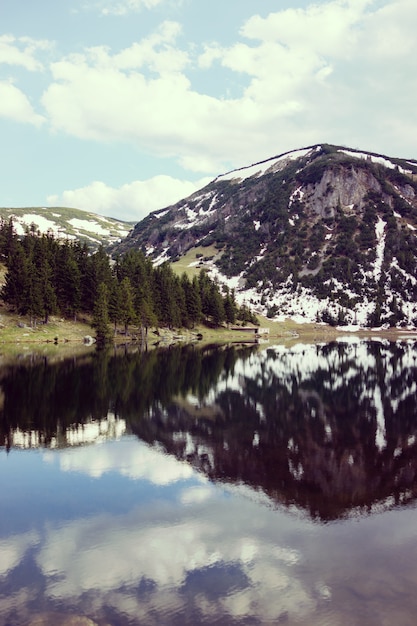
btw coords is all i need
(122, 107)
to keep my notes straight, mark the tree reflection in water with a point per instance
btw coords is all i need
(331, 429)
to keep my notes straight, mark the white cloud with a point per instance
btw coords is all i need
(390, 33)
(123, 7)
(21, 51)
(16, 106)
(156, 52)
(322, 29)
(132, 201)
(314, 74)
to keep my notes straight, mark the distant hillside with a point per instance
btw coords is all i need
(324, 233)
(68, 223)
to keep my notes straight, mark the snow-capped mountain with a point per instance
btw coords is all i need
(324, 233)
(68, 223)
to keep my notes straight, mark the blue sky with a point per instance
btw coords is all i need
(125, 106)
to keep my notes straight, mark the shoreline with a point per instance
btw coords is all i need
(66, 335)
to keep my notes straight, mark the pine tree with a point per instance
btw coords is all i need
(139, 270)
(127, 311)
(42, 275)
(35, 306)
(68, 281)
(8, 238)
(114, 303)
(192, 300)
(16, 287)
(230, 307)
(101, 316)
(166, 304)
(145, 312)
(216, 306)
(97, 271)
(204, 283)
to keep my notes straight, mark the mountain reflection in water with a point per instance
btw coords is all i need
(216, 486)
(326, 428)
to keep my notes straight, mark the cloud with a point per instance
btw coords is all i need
(390, 34)
(125, 7)
(322, 29)
(313, 74)
(16, 106)
(132, 201)
(21, 51)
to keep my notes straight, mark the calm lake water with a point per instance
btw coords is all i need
(241, 486)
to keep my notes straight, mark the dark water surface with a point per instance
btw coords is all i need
(235, 486)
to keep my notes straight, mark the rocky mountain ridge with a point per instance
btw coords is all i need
(324, 233)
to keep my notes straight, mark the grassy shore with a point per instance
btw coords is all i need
(17, 329)
(18, 336)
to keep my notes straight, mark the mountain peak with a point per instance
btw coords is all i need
(323, 233)
(266, 166)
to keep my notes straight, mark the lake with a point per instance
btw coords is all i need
(238, 485)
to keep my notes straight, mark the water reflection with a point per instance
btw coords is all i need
(188, 487)
(326, 428)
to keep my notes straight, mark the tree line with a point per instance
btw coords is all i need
(48, 276)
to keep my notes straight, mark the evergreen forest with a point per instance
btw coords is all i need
(48, 276)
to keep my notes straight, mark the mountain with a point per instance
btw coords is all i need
(324, 233)
(68, 223)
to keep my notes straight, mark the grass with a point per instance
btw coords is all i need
(287, 332)
(17, 329)
(16, 334)
(57, 339)
(191, 263)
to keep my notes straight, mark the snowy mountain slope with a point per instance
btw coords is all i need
(68, 223)
(324, 233)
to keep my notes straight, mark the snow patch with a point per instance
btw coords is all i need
(164, 256)
(90, 226)
(377, 159)
(380, 247)
(264, 167)
(159, 215)
(298, 194)
(42, 223)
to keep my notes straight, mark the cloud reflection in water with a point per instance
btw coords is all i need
(170, 551)
(129, 457)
